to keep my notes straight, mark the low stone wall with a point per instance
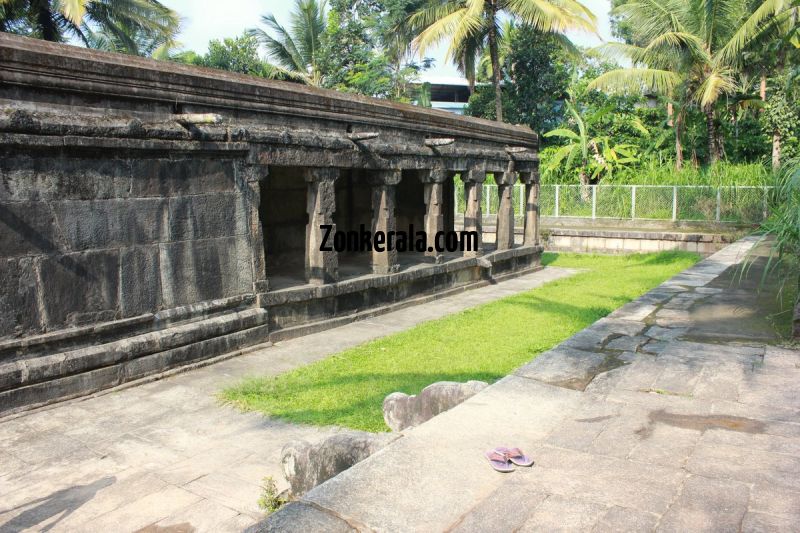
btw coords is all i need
(630, 241)
(298, 311)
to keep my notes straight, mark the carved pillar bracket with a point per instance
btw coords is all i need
(505, 209)
(250, 183)
(433, 181)
(321, 266)
(384, 261)
(473, 217)
(531, 181)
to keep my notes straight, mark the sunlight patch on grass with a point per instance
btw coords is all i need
(484, 343)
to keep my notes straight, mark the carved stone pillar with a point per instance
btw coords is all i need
(433, 181)
(321, 266)
(383, 182)
(531, 181)
(505, 210)
(473, 216)
(251, 187)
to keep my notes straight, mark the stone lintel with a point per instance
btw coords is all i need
(384, 176)
(435, 175)
(506, 178)
(474, 175)
(527, 177)
(318, 174)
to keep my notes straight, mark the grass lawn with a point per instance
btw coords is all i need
(485, 343)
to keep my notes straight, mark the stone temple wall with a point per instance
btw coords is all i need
(92, 239)
(144, 206)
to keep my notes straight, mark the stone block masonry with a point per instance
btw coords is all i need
(154, 215)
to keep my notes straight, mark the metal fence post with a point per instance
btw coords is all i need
(594, 202)
(674, 204)
(558, 190)
(633, 202)
(766, 204)
(719, 204)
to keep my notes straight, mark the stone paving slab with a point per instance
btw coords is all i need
(683, 432)
(166, 455)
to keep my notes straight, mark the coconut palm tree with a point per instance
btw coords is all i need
(131, 26)
(297, 50)
(472, 25)
(692, 47)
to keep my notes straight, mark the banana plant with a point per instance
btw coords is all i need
(596, 157)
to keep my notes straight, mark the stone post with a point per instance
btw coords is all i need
(321, 266)
(433, 181)
(251, 187)
(383, 219)
(531, 181)
(505, 210)
(473, 217)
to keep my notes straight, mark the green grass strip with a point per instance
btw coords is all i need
(484, 343)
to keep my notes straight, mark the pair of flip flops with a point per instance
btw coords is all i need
(503, 459)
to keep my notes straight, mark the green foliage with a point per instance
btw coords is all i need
(694, 51)
(782, 114)
(348, 388)
(474, 26)
(362, 55)
(270, 501)
(138, 27)
(652, 172)
(239, 54)
(783, 227)
(538, 71)
(296, 50)
(592, 158)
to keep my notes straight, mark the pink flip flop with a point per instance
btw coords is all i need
(515, 455)
(499, 461)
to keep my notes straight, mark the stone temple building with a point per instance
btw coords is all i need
(154, 215)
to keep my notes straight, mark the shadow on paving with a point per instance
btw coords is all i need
(749, 309)
(61, 503)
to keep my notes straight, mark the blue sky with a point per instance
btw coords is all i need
(204, 20)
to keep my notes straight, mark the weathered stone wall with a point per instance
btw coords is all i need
(92, 239)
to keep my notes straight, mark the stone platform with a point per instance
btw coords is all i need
(657, 417)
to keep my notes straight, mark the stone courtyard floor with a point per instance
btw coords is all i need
(671, 414)
(165, 455)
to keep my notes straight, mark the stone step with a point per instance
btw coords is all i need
(28, 383)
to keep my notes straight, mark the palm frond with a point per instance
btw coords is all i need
(636, 80)
(281, 48)
(550, 17)
(563, 133)
(715, 84)
(749, 30)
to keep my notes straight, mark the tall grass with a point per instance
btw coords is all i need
(655, 173)
(783, 227)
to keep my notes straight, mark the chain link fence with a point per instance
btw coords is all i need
(739, 204)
